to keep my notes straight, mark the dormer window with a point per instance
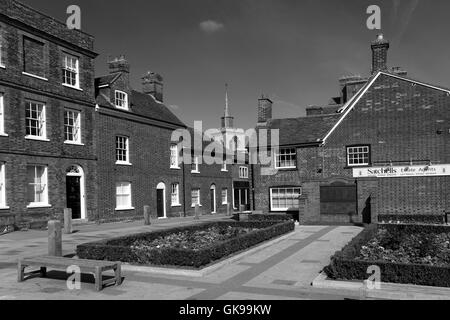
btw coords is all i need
(121, 100)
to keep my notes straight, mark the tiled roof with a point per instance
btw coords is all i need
(305, 130)
(106, 80)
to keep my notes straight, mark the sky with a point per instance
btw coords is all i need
(293, 51)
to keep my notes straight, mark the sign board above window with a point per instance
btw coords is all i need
(402, 171)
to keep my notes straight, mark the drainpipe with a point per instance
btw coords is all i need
(184, 190)
(253, 186)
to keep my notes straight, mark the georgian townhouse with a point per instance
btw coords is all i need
(47, 105)
(381, 147)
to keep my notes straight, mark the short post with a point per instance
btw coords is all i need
(242, 208)
(197, 212)
(54, 238)
(147, 215)
(228, 209)
(68, 221)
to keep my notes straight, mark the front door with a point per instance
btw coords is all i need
(160, 203)
(213, 200)
(73, 193)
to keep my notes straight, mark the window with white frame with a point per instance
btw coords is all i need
(70, 70)
(2, 115)
(2, 50)
(224, 165)
(286, 158)
(175, 194)
(123, 196)
(121, 100)
(358, 156)
(35, 120)
(2, 186)
(122, 150)
(224, 196)
(243, 172)
(37, 192)
(195, 197)
(283, 199)
(72, 126)
(195, 166)
(174, 157)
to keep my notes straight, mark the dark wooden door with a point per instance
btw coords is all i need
(338, 200)
(213, 202)
(73, 194)
(160, 203)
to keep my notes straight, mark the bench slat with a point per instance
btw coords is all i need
(60, 261)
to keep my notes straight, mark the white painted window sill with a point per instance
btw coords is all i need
(4, 208)
(195, 172)
(2, 66)
(120, 163)
(74, 143)
(124, 209)
(224, 170)
(72, 87)
(37, 138)
(34, 76)
(123, 108)
(175, 168)
(4, 135)
(285, 168)
(193, 206)
(38, 205)
(176, 205)
(224, 203)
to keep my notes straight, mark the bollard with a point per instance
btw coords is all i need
(197, 212)
(228, 209)
(147, 215)
(54, 238)
(68, 221)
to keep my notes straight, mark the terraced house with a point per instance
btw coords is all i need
(380, 147)
(47, 105)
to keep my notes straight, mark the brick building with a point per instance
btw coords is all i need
(138, 164)
(47, 147)
(381, 147)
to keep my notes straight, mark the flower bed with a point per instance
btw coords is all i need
(193, 246)
(411, 219)
(410, 254)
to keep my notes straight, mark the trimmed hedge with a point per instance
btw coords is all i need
(269, 217)
(119, 249)
(411, 218)
(344, 266)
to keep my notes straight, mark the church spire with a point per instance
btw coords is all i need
(227, 119)
(227, 110)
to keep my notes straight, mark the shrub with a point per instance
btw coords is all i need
(269, 217)
(119, 249)
(411, 218)
(345, 265)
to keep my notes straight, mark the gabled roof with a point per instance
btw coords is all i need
(305, 130)
(106, 80)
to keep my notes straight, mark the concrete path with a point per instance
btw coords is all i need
(282, 271)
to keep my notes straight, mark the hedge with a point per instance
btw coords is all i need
(344, 266)
(118, 249)
(411, 218)
(269, 217)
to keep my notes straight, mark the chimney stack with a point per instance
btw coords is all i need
(379, 54)
(119, 65)
(153, 83)
(264, 110)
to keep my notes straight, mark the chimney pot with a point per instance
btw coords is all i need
(118, 64)
(153, 84)
(380, 48)
(264, 110)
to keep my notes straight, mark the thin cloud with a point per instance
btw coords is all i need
(403, 12)
(211, 26)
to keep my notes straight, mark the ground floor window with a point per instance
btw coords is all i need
(2, 185)
(175, 194)
(224, 196)
(123, 196)
(195, 197)
(37, 192)
(283, 199)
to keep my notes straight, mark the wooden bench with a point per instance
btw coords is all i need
(86, 266)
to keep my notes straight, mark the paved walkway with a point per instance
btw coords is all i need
(281, 271)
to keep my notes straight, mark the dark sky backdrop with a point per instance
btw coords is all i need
(291, 50)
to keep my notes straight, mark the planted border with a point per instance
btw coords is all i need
(411, 218)
(269, 217)
(118, 249)
(344, 265)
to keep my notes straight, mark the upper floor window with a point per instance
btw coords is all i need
(70, 71)
(195, 166)
(358, 156)
(123, 196)
(286, 158)
(37, 186)
(175, 194)
(33, 57)
(2, 50)
(72, 127)
(121, 100)
(2, 115)
(243, 172)
(2, 186)
(174, 164)
(283, 199)
(224, 165)
(35, 120)
(122, 150)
